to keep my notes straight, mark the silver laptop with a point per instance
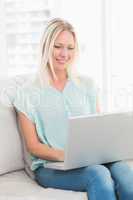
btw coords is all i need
(97, 139)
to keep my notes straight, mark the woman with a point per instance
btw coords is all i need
(43, 110)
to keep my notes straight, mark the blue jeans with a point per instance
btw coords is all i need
(101, 182)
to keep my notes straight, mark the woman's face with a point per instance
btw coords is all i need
(63, 51)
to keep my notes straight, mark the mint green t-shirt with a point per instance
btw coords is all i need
(49, 109)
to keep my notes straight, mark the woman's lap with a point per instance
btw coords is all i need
(76, 179)
(98, 178)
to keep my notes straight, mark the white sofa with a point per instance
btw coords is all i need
(15, 181)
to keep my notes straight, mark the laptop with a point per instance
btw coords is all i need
(97, 139)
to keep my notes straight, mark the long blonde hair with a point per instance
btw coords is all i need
(52, 30)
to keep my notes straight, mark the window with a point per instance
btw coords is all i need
(23, 23)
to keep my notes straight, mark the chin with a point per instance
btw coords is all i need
(60, 70)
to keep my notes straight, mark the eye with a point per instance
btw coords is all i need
(57, 46)
(71, 48)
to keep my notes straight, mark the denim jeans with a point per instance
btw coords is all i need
(101, 182)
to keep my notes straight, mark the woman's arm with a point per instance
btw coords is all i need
(33, 144)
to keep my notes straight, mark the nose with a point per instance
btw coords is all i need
(64, 52)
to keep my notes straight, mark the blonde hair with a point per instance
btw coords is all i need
(52, 30)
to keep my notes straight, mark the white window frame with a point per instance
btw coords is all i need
(3, 50)
(107, 55)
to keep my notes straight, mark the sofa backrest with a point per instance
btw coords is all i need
(13, 154)
(11, 157)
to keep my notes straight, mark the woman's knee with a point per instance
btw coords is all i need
(100, 182)
(100, 174)
(99, 170)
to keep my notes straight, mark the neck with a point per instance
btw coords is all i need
(61, 76)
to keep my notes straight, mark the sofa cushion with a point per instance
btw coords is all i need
(18, 185)
(11, 157)
(8, 89)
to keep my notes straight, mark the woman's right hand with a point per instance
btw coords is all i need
(60, 155)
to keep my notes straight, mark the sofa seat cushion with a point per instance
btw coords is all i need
(18, 185)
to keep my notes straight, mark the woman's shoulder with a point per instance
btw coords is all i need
(24, 89)
(27, 91)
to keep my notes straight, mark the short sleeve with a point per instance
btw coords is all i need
(22, 103)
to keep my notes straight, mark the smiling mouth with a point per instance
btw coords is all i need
(61, 61)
